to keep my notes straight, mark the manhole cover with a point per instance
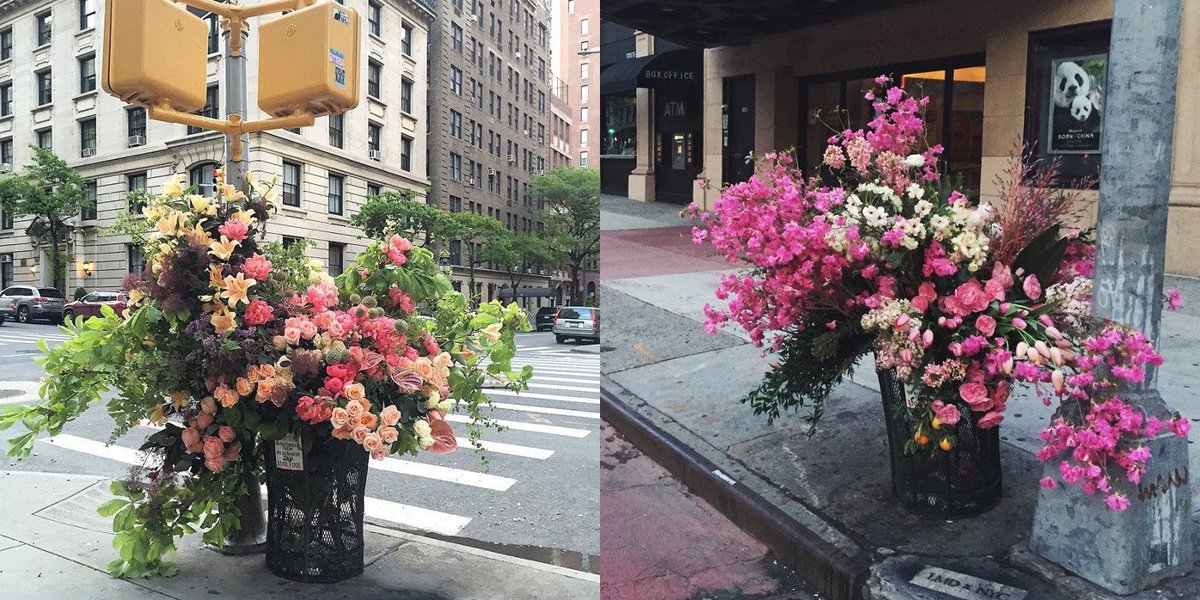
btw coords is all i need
(80, 510)
(10, 393)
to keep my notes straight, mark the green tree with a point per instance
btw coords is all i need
(477, 232)
(51, 192)
(514, 252)
(570, 199)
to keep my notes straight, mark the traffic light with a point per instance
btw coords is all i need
(308, 61)
(154, 51)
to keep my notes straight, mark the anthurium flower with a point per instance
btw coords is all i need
(237, 289)
(223, 249)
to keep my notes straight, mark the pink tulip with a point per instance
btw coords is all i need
(927, 338)
(901, 321)
(1057, 379)
(1019, 323)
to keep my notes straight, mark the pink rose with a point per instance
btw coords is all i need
(258, 312)
(380, 454)
(1002, 274)
(203, 420)
(213, 447)
(390, 415)
(360, 433)
(191, 440)
(990, 420)
(257, 267)
(389, 435)
(216, 464)
(372, 442)
(209, 405)
(946, 413)
(226, 434)
(970, 298)
(986, 325)
(994, 289)
(397, 256)
(975, 395)
(232, 451)
(292, 335)
(234, 230)
(1000, 396)
(1033, 289)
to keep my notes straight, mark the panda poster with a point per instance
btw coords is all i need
(1077, 106)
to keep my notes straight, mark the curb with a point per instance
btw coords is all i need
(834, 574)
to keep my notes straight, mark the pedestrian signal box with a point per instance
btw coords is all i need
(154, 51)
(308, 61)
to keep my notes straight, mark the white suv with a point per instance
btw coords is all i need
(578, 322)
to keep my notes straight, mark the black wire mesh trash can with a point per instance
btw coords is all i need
(315, 515)
(960, 482)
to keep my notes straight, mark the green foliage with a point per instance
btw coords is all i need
(80, 292)
(1043, 255)
(49, 191)
(512, 252)
(571, 210)
(290, 267)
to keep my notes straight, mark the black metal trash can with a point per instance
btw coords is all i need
(315, 515)
(962, 481)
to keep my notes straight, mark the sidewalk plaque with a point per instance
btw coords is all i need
(288, 454)
(964, 586)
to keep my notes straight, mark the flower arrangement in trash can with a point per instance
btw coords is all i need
(227, 343)
(961, 299)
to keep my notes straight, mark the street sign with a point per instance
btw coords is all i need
(308, 61)
(154, 51)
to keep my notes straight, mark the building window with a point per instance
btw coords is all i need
(45, 28)
(88, 212)
(583, 27)
(406, 144)
(87, 14)
(135, 182)
(373, 189)
(135, 259)
(406, 39)
(375, 18)
(203, 177)
(583, 46)
(336, 185)
(455, 204)
(583, 159)
(584, 69)
(135, 119)
(406, 95)
(45, 139)
(45, 88)
(291, 184)
(583, 115)
(335, 130)
(456, 76)
(374, 73)
(288, 242)
(87, 137)
(456, 124)
(583, 93)
(6, 267)
(583, 137)
(211, 108)
(6, 153)
(337, 254)
(374, 132)
(6, 220)
(455, 166)
(87, 74)
(6, 41)
(456, 37)
(571, 6)
(6, 99)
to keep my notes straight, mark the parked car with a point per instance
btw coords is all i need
(27, 303)
(89, 305)
(544, 319)
(577, 322)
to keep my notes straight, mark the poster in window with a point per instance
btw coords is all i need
(1077, 104)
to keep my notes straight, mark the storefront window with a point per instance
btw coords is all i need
(619, 126)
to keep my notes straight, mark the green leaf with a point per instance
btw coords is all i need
(110, 508)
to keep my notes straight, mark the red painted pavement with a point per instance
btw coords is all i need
(659, 542)
(626, 253)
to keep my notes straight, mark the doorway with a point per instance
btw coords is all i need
(737, 128)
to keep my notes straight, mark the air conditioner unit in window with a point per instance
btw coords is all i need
(5, 167)
(541, 271)
(375, 154)
(512, 159)
(529, 271)
(137, 140)
(88, 152)
(471, 180)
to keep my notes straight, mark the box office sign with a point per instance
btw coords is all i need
(1076, 110)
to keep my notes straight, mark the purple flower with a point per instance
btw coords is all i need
(1117, 502)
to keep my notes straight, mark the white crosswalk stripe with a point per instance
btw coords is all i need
(523, 426)
(537, 396)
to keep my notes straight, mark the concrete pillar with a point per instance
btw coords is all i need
(641, 179)
(1151, 541)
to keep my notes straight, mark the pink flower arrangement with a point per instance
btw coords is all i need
(886, 260)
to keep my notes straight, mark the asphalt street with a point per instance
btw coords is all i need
(537, 497)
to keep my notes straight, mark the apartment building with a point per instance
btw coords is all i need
(580, 63)
(50, 57)
(490, 107)
(561, 121)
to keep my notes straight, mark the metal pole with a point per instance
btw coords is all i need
(1152, 540)
(252, 538)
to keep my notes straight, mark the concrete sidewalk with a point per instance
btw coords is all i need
(823, 501)
(54, 545)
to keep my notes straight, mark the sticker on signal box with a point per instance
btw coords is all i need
(288, 454)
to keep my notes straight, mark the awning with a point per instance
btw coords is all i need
(672, 69)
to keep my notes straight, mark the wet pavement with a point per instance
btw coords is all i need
(660, 541)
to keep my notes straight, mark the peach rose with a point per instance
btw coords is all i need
(372, 442)
(226, 433)
(341, 433)
(355, 409)
(232, 451)
(244, 386)
(339, 418)
(380, 455)
(368, 420)
(226, 396)
(279, 342)
(213, 447)
(389, 435)
(216, 465)
(191, 439)
(266, 388)
(267, 371)
(203, 420)
(358, 434)
(253, 374)
(355, 392)
(424, 368)
(390, 415)
(208, 405)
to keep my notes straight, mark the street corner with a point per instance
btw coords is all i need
(696, 553)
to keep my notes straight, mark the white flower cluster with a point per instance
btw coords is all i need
(1074, 305)
(963, 231)
(884, 192)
